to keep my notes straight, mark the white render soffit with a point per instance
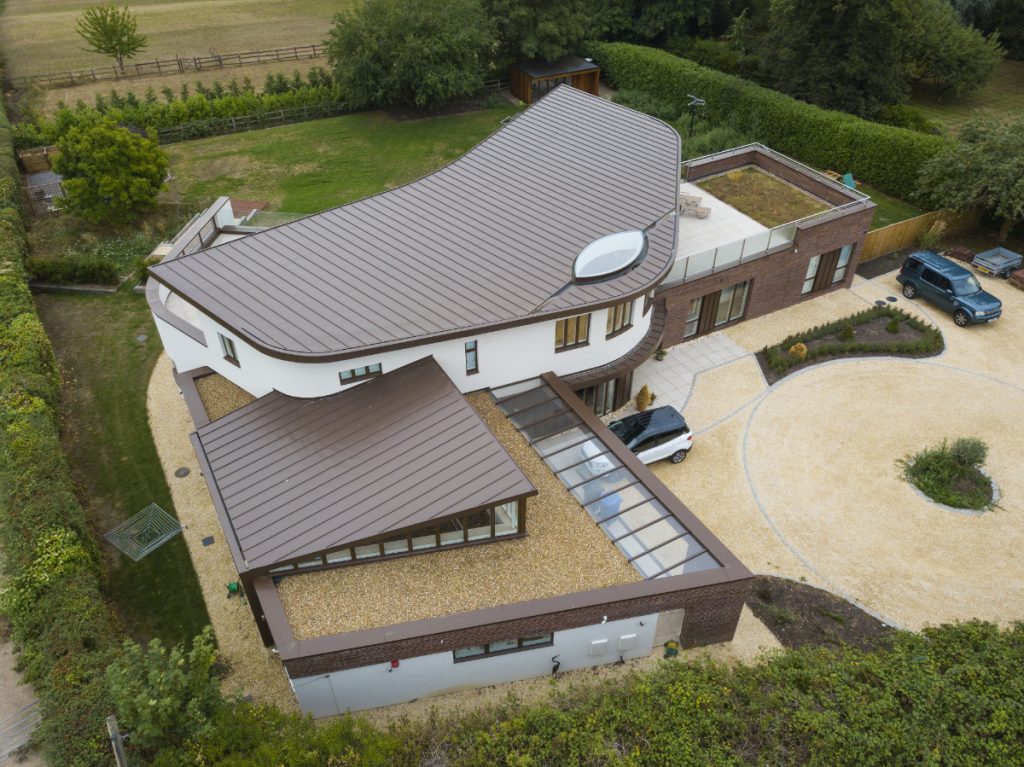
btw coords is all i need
(609, 256)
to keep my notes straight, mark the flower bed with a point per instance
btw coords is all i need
(951, 474)
(880, 330)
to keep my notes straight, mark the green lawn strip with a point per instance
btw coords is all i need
(1003, 94)
(309, 167)
(765, 199)
(891, 210)
(106, 435)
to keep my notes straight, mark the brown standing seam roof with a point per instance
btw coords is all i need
(484, 242)
(301, 476)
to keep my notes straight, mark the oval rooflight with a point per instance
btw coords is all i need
(609, 255)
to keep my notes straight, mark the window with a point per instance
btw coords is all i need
(228, 347)
(732, 302)
(842, 263)
(572, 332)
(693, 317)
(472, 362)
(620, 319)
(503, 646)
(367, 371)
(812, 272)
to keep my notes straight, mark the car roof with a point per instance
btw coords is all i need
(941, 264)
(659, 419)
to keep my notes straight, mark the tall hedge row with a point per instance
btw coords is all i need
(885, 156)
(59, 620)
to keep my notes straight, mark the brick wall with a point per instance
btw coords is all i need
(712, 613)
(776, 279)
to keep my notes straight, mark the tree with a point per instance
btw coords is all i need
(416, 52)
(839, 54)
(110, 173)
(984, 169)
(540, 29)
(164, 698)
(941, 50)
(111, 31)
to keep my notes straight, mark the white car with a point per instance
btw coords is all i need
(652, 435)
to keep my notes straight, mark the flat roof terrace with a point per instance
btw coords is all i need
(563, 552)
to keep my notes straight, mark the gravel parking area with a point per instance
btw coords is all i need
(802, 481)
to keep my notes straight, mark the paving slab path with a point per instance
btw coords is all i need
(800, 478)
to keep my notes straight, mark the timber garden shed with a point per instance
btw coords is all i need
(532, 79)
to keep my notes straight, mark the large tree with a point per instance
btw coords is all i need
(540, 29)
(111, 31)
(984, 169)
(416, 52)
(110, 174)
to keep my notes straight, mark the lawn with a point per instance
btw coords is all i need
(312, 166)
(40, 37)
(763, 197)
(890, 210)
(1004, 95)
(106, 372)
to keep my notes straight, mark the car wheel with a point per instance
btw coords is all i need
(678, 456)
(961, 318)
(909, 290)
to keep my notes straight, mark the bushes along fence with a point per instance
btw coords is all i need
(885, 156)
(905, 234)
(59, 619)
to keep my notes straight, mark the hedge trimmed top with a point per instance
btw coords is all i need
(887, 157)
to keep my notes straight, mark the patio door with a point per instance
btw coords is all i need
(821, 271)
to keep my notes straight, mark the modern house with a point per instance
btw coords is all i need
(412, 499)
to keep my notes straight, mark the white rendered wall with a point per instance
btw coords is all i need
(380, 685)
(504, 356)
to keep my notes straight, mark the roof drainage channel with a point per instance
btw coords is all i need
(645, 532)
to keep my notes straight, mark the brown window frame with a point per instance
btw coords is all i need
(518, 648)
(564, 324)
(627, 311)
(475, 368)
(227, 345)
(357, 376)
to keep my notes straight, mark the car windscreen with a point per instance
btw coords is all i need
(627, 429)
(965, 286)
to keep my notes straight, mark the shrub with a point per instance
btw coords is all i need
(798, 351)
(905, 116)
(950, 473)
(883, 155)
(643, 398)
(846, 334)
(73, 270)
(893, 325)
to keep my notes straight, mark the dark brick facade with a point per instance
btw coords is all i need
(776, 279)
(711, 615)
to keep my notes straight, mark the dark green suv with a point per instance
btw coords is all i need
(949, 286)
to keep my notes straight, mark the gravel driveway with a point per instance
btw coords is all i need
(800, 480)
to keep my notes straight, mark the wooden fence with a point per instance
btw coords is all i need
(905, 234)
(177, 65)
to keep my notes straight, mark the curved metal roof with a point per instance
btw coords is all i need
(485, 242)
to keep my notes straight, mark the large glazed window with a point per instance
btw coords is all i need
(732, 302)
(842, 263)
(572, 332)
(620, 319)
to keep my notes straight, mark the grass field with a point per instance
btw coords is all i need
(309, 167)
(1004, 95)
(890, 210)
(38, 36)
(106, 435)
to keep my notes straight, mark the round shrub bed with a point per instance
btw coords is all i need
(951, 474)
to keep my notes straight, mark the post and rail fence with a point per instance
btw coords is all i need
(176, 65)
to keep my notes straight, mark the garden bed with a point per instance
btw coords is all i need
(799, 615)
(880, 330)
(951, 474)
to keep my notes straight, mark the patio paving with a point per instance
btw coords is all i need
(800, 479)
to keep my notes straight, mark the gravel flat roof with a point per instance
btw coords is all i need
(296, 477)
(487, 241)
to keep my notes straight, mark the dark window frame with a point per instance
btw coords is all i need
(227, 346)
(564, 324)
(518, 648)
(475, 351)
(355, 375)
(610, 326)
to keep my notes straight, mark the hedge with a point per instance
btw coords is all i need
(885, 156)
(74, 270)
(60, 623)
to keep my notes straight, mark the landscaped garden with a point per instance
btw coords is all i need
(951, 473)
(765, 198)
(880, 330)
(309, 167)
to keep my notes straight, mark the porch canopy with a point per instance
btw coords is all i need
(294, 478)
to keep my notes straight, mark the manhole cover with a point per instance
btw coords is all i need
(184, 471)
(891, 299)
(208, 540)
(879, 302)
(141, 338)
